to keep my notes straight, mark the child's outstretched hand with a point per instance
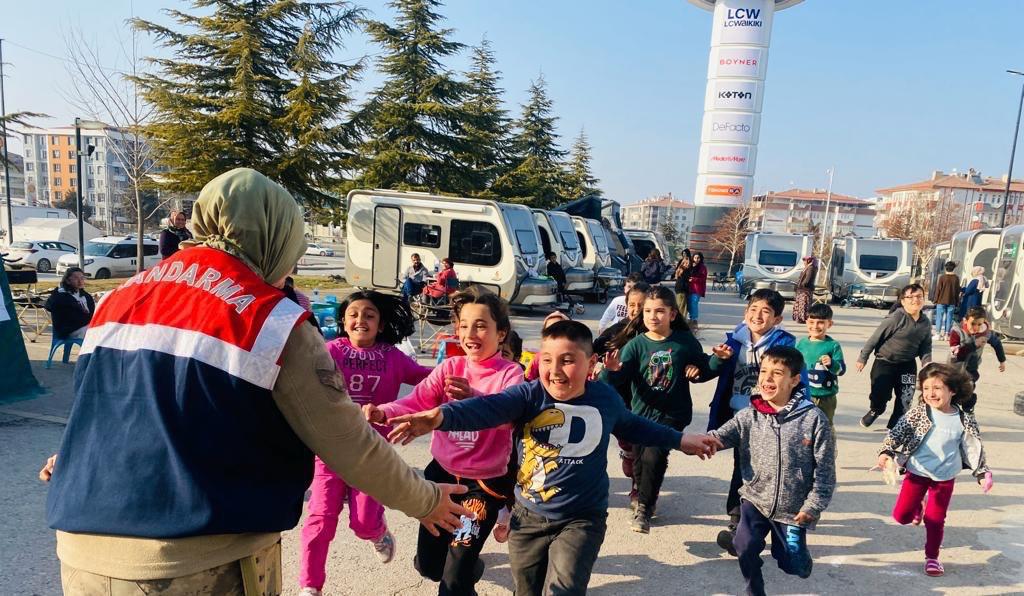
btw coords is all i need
(374, 414)
(703, 446)
(457, 388)
(1002, 367)
(804, 518)
(692, 372)
(887, 467)
(410, 426)
(611, 361)
(723, 351)
(986, 482)
(860, 366)
(47, 472)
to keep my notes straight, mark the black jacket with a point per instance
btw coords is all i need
(67, 312)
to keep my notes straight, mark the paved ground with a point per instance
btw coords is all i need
(857, 549)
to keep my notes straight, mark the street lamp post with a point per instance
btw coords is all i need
(1013, 150)
(7, 172)
(824, 221)
(79, 125)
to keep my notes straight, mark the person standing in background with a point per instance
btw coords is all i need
(805, 289)
(947, 294)
(174, 234)
(698, 287)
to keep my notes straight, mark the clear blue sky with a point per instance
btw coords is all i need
(886, 91)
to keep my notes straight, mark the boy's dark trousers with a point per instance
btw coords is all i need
(789, 547)
(893, 378)
(551, 556)
(453, 559)
(732, 500)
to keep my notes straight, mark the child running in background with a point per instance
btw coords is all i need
(615, 338)
(737, 362)
(932, 442)
(787, 458)
(560, 517)
(823, 357)
(478, 460)
(616, 310)
(511, 350)
(659, 365)
(966, 342)
(373, 369)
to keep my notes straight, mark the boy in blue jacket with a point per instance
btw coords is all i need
(559, 519)
(737, 363)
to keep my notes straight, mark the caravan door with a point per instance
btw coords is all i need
(386, 222)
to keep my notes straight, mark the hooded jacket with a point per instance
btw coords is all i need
(786, 458)
(725, 370)
(909, 433)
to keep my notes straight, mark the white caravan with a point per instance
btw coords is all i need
(1006, 306)
(597, 256)
(975, 248)
(645, 240)
(558, 236)
(870, 269)
(491, 244)
(775, 261)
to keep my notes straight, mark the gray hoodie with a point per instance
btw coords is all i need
(787, 459)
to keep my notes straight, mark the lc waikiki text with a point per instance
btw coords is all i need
(227, 290)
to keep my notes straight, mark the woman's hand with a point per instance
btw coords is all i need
(47, 472)
(374, 414)
(447, 513)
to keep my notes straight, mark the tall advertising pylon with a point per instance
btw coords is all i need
(740, 35)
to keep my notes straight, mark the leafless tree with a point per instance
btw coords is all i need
(730, 234)
(112, 95)
(927, 222)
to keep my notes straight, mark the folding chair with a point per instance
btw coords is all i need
(29, 304)
(434, 318)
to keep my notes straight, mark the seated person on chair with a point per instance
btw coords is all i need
(556, 272)
(70, 306)
(445, 283)
(415, 278)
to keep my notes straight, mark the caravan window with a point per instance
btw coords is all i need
(878, 262)
(474, 243)
(415, 234)
(527, 242)
(777, 258)
(544, 240)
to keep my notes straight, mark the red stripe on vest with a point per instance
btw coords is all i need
(198, 289)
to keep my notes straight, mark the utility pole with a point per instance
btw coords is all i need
(7, 171)
(828, 203)
(1009, 174)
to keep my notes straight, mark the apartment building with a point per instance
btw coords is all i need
(797, 211)
(653, 213)
(975, 201)
(16, 172)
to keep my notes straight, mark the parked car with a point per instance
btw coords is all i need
(42, 255)
(313, 248)
(112, 256)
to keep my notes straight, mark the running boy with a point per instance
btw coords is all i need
(787, 459)
(559, 520)
(966, 342)
(823, 357)
(737, 362)
(901, 337)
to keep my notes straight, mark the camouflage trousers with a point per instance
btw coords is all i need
(256, 575)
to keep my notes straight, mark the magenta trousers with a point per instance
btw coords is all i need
(908, 504)
(329, 491)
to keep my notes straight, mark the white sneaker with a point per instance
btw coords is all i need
(385, 547)
(309, 591)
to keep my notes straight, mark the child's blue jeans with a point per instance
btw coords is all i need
(789, 547)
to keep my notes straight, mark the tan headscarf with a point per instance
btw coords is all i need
(248, 215)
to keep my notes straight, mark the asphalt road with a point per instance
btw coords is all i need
(857, 548)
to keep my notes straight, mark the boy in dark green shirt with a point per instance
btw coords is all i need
(823, 357)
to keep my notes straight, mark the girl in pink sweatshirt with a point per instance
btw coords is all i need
(374, 369)
(479, 459)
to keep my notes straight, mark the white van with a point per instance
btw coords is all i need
(775, 261)
(1006, 304)
(597, 256)
(558, 236)
(870, 269)
(492, 244)
(112, 256)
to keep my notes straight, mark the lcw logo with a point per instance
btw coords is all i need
(743, 13)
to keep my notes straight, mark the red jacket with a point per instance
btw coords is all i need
(699, 280)
(445, 283)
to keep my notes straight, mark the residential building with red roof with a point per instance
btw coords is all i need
(798, 211)
(652, 213)
(976, 201)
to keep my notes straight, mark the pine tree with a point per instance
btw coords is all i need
(252, 85)
(487, 128)
(580, 178)
(413, 124)
(536, 176)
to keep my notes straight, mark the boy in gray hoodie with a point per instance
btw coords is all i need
(787, 460)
